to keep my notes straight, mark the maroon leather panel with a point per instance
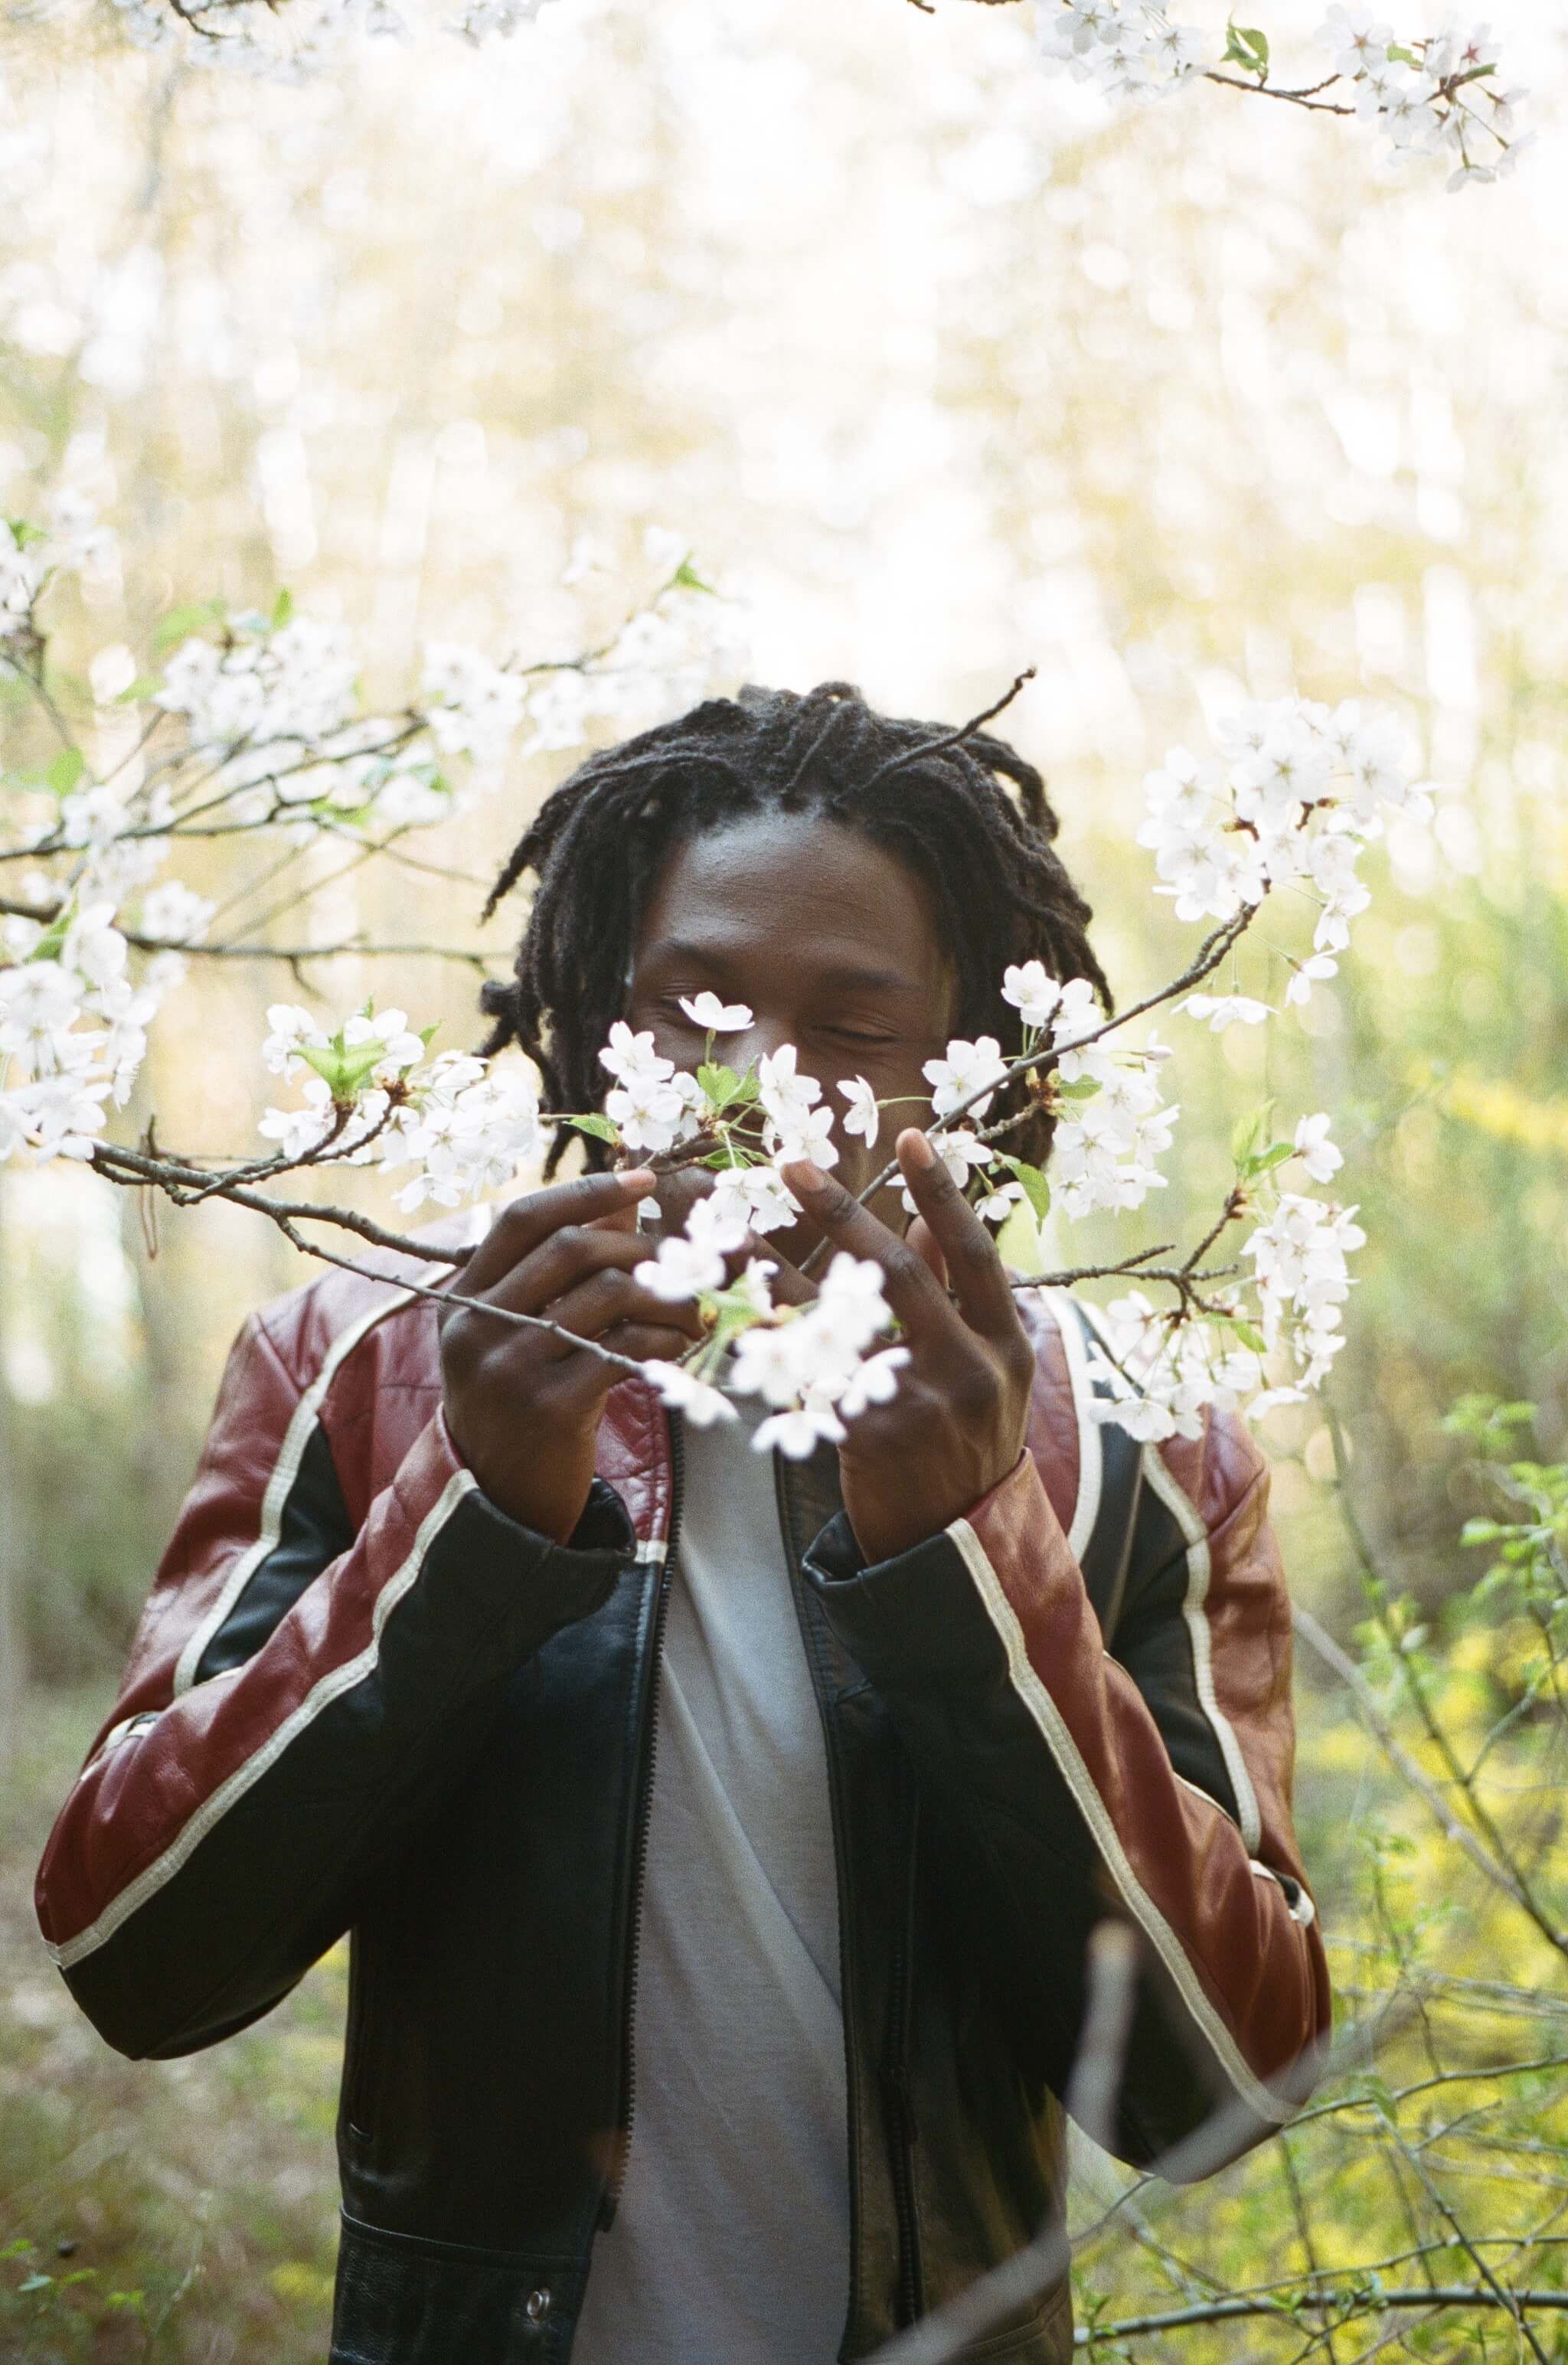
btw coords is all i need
(134, 1800)
(1264, 1972)
(1052, 1435)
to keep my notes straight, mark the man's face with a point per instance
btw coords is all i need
(833, 945)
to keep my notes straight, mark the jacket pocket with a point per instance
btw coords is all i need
(358, 2097)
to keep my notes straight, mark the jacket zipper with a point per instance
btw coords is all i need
(900, 2110)
(895, 2083)
(648, 1752)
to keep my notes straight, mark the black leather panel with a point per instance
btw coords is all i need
(401, 2300)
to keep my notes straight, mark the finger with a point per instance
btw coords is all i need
(974, 1269)
(679, 1192)
(922, 1240)
(525, 1221)
(573, 1255)
(612, 1296)
(581, 1378)
(911, 1289)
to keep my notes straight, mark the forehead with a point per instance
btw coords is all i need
(799, 890)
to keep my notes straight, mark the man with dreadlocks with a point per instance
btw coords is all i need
(765, 2054)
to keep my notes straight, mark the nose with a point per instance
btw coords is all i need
(762, 1038)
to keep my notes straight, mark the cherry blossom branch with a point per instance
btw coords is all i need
(1307, 99)
(1047, 1056)
(176, 1183)
(348, 948)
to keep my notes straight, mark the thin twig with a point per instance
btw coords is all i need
(1320, 1640)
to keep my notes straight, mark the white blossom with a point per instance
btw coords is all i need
(469, 1129)
(809, 1134)
(631, 1058)
(716, 1017)
(176, 913)
(786, 1097)
(758, 1195)
(876, 1382)
(1305, 974)
(473, 707)
(967, 1068)
(697, 1400)
(654, 1114)
(299, 1130)
(1224, 1010)
(1315, 1151)
(688, 1263)
(1033, 991)
(863, 1115)
(52, 1117)
(289, 1027)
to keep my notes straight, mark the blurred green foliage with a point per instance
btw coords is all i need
(950, 375)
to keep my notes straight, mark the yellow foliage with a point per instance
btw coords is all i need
(302, 2284)
(1503, 1110)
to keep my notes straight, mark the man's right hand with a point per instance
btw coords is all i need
(522, 1405)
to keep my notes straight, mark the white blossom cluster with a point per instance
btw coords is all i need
(302, 41)
(72, 1029)
(816, 1366)
(1128, 48)
(1162, 1371)
(31, 556)
(1437, 97)
(273, 706)
(270, 735)
(1299, 791)
(1113, 1126)
(1433, 98)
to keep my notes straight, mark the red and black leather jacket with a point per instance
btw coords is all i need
(362, 1698)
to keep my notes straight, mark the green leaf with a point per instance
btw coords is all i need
(1245, 46)
(1263, 1161)
(66, 771)
(283, 611)
(1084, 1089)
(344, 1071)
(599, 1126)
(24, 531)
(686, 578)
(719, 1083)
(1018, 1240)
(142, 686)
(1405, 57)
(180, 622)
(53, 937)
(1250, 1336)
(1247, 1133)
(1036, 1189)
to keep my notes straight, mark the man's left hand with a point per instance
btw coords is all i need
(956, 1425)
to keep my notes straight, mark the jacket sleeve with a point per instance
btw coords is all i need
(300, 1696)
(1058, 1765)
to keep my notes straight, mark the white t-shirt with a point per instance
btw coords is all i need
(731, 2245)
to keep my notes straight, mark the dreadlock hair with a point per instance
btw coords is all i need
(937, 798)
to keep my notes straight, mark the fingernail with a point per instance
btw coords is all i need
(810, 1175)
(640, 1176)
(918, 1149)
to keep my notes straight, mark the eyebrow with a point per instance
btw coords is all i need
(843, 976)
